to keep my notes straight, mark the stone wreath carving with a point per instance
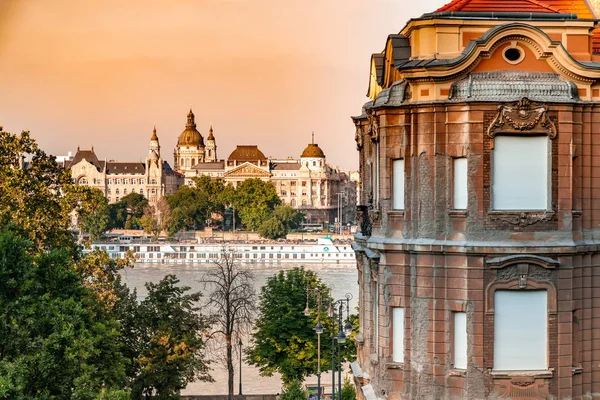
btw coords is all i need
(523, 219)
(524, 116)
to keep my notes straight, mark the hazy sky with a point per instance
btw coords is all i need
(102, 73)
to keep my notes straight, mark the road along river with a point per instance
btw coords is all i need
(343, 278)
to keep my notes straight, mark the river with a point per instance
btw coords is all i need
(342, 277)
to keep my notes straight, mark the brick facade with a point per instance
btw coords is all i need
(434, 261)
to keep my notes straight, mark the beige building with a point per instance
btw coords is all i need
(153, 178)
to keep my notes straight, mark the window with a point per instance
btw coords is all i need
(460, 183)
(520, 330)
(293, 183)
(117, 190)
(520, 173)
(154, 181)
(124, 191)
(283, 193)
(125, 181)
(398, 184)
(118, 181)
(398, 334)
(293, 202)
(193, 162)
(375, 311)
(141, 191)
(108, 190)
(110, 181)
(460, 340)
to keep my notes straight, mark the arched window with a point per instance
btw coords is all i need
(83, 181)
(293, 203)
(154, 181)
(182, 162)
(209, 152)
(153, 191)
(124, 191)
(108, 190)
(314, 163)
(303, 202)
(193, 162)
(142, 191)
(117, 191)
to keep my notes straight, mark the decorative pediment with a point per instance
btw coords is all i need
(247, 170)
(522, 117)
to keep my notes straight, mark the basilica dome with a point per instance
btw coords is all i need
(313, 151)
(190, 136)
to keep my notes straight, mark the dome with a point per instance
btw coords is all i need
(190, 136)
(313, 151)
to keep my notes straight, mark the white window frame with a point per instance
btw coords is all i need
(398, 334)
(521, 161)
(460, 183)
(398, 183)
(520, 330)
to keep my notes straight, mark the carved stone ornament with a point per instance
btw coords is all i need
(524, 116)
(523, 219)
(375, 217)
(248, 170)
(358, 137)
(373, 128)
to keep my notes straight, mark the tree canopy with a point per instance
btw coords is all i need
(127, 212)
(255, 201)
(284, 340)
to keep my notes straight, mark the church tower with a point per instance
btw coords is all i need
(154, 144)
(210, 152)
(190, 146)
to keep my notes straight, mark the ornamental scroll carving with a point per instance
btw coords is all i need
(523, 219)
(524, 117)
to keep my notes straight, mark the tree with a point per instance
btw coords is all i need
(126, 213)
(293, 391)
(284, 340)
(348, 390)
(157, 217)
(189, 209)
(217, 193)
(232, 301)
(93, 215)
(284, 219)
(31, 197)
(163, 336)
(255, 200)
(55, 339)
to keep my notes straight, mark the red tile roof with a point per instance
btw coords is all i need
(578, 7)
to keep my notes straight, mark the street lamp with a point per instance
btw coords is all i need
(344, 331)
(319, 330)
(240, 343)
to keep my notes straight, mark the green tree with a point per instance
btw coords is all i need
(293, 391)
(55, 339)
(217, 193)
(255, 201)
(31, 197)
(189, 209)
(93, 215)
(127, 212)
(348, 390)
(272, 229)
(163, 336)
(284, 220)
(284, 340)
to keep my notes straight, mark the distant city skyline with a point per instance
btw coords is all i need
(262, 72)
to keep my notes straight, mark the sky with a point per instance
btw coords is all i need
(102, 73)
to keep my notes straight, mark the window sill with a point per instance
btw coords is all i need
(577, 370)
(458, 213)
(395, 365)
(544, 373)
(457, 372)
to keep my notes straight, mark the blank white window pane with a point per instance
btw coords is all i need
(460, 183)
(520, 173)
(398, 184)
(460, 340)
(520, 330)
(398, 332)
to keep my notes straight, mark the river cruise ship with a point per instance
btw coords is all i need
(324, 251)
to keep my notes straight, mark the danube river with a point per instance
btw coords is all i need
(343, 278)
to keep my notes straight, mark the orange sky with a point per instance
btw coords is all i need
(268, 72)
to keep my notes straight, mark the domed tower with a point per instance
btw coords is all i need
(313, 157)
(210, 152)
(190, 146)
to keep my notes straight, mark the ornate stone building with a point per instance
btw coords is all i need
(479, 268)
(116, 179)
(191, 150)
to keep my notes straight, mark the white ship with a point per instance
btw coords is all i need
(324, 251)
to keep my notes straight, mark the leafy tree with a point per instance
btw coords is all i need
(31, 195)
(126, 213)
(293, 391)
(55, 339)
(189, 209)
(93, 215)
(217, 193)
(284, 340)
(255, 201)
(272, 229)
(163, 338)
(348, 390)
(157, 217)
(232, 302)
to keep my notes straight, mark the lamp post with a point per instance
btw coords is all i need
(240, 343)
(344, 331)
(319, 330)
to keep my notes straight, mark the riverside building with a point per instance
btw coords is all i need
(479, 268)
